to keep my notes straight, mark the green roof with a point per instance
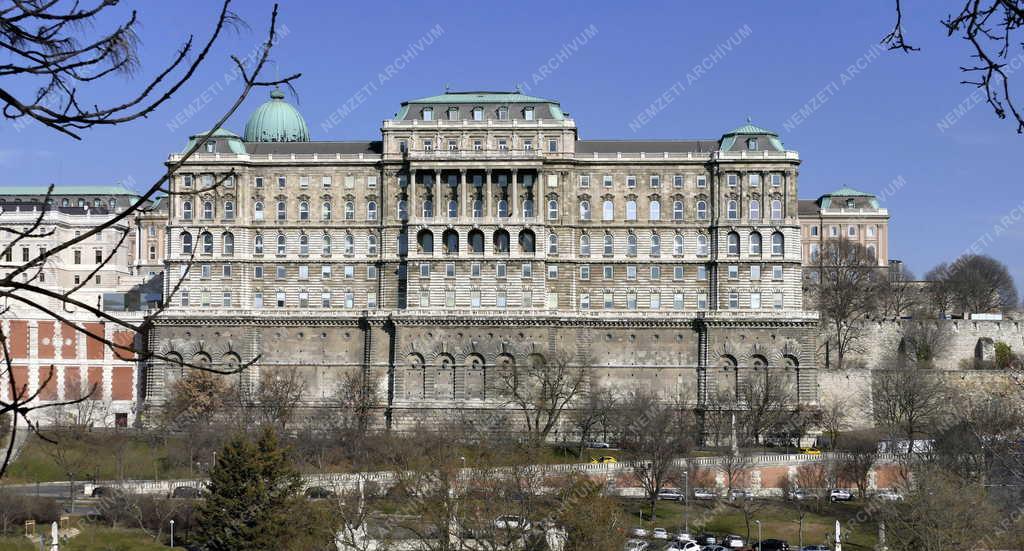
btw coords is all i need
(481, 97)
(750, 129)
(846, 191)
(233, 140)
(276, 121)
(113, 189)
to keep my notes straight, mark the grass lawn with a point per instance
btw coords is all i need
(778, 520)
(92, 539)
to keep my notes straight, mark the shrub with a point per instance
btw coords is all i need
(16, 509)
(1004, 355)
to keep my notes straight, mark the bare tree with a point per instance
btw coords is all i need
(659, 434)
(857, 460)
(357, 398)
(594, 415)
(907, 402)
(899, 293)
(923, 342)
(989, 27)
(735, 469)
(845, 293)
(835, 418)
(274, 401)
(766, 401)
(972, 283)
(541, 391)
(49, 41)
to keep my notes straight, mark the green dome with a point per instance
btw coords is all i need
(276, 121)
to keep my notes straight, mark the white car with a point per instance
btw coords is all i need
(598, 445)
(511, 522)
(704, 494)
(684, 546)
(659, 534)
(739, 495)
(671, 494)
(683, 537)
(801, 495)
(840, 494)
(639, 533)
(888, 495)
(636, 545)
(733, 542)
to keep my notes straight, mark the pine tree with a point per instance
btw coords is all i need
(253, 497)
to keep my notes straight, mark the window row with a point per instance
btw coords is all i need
(679, 180)
(679, 300)
(323, 244)
(679, 211)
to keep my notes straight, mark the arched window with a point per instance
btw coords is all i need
(350, 244)
(257, 244)
(280, 244)
(655, 245)
(208, 210)
(584, 245)
(776, 210)
(677, 245)
(608, 210)
(325, 210)
(609, 244)
(552, 243)
(733, 243)
(702, 245)
(502, 208)
(731, 210)
(228, 240)
(450, 238)
(207, 242)
(527, 242)
(755, 209)
(501, 242)
(584, 210)
(655, 210)
(186, 210)
(371, 245)
(425, 241)
(552, 209)
(303, 244)
(476, 241)
(282, 213)
(528, 208)
(229, 210)
(778, 244)
(702, 210)
(755, 243)
(64, 202)
(677, 210)
(428, 209)
(872, 254)
(186, 242)
(303, 210)
(631, 244)
(631, 210)
(371, 210)
(325, 243)
(258, 210)
(350, 210)
(453, 208)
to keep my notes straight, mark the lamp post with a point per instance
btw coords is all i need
(172, 532)
(686, 497)
(758, 523)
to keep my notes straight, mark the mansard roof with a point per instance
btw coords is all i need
(466, 101)
(369, 147)
(645, 146)
(63, 190)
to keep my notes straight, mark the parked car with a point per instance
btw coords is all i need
(772, 545)
(713, 548)
(511, 522)
(839, 494)
(671, 494)
(888, 495)
(185, 492)
(733, 542)
(598, 445)
(636, 545)
(639, 533)
(704, 494)
(604, 459)
(800, 495)
(707, 539)
(815, 548)
(683, 536)
(319, 492)
(684, 546)
(105, 491)
(810, 451)
(739, 495)
(659, 534)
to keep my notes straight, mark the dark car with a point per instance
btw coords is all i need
(707, 539)
(319, 492)
(772, 545)
(105, 491)
(186, 492)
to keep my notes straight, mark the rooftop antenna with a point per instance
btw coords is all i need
(518, 88)
(748, 120)
(447, 88)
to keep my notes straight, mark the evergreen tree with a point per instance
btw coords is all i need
(254, 497)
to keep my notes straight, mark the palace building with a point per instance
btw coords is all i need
(480, 231)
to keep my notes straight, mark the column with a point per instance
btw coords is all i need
(463, 184)
(487, 196)
(513, 202)
(410, 192)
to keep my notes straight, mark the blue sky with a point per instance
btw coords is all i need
(878, 124)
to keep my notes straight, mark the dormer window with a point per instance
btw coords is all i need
(528, 113)
(503, 113)
(478, 113)
(428, 145)
(850, 203)
(211, 146)
(453, 113)
(428, 113)
(751, 144)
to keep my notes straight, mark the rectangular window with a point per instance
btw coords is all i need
(325, 299)
(608, 180)
(655, 301)
(776, 179)
(677, 181)
(449, 298)
(350, 272)
(257, 300)
(631, 272)
(449, 269)
(585, 272)
(585, 301)
(677, 300)
(777, 272)
(777, 301)
(282, 272)
(424, 298)
(732, 180)
(754, 179)
(527, 270)
(474, 298)
(755, 301)
(303, 182)
(655, 273)
(702, 301)
(552, 146)
(371, 182)
(424, 269)
(702, 181)
(655, 181)
(474, 269)
(755, 272)
(303, 272)
(734, 300)
(677, 273)
(186, 180)
(258, 182)
(734, 271)
(702, 273)
(527, 298)
(281, 182)
(814, 231)
(205, 271)
(280, 299)
(502, 144)
(478, 145)
(584, 180)
(226, 299)
(325, 182)
(609, 300)
(428, 145)
(501, 299)
(631, 300)
(552, 272)
(500, 270)
(630, 181)
(609, 272)
(257, 272)
(325, 272)
(371, 300)
(350, 300)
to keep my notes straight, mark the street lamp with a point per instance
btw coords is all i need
(172, 532)
(758, 523)
(686, 497)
